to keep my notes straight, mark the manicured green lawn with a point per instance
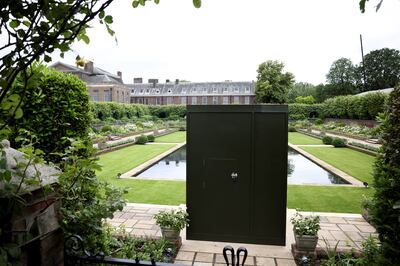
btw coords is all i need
(354, 163)
(301, 139)
(123, 160)
(143, 191)
(176, 137)
(153, 191)
(327, 198)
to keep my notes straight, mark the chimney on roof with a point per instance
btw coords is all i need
(176, 81)
(153, 81)
(119, 73)
(167, 81)
(89, 67)
(137, 80)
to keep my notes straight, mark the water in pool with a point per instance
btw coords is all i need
(300, 169)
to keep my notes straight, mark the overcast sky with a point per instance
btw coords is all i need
(228, 39)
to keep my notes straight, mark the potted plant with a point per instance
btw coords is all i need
(306, 232)
(171, 223)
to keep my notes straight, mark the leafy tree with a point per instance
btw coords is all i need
(342, 71)
(55, 109)
(272, 83)
(385, 209)
(363, 2)
(301, 89)
(342, 77)
(382, 69)
(35, 29)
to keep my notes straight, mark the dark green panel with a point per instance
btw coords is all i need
(270, 175)
(215, 155)
(250, 141)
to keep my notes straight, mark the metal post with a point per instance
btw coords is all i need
(363, 64)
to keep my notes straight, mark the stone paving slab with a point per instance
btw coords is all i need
(347, 231)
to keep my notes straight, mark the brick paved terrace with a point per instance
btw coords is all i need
(348, 230)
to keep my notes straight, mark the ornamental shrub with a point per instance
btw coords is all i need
(327, 140)
(55, 109)
(106, 128)
(385, 209)
(292, 129)
(338, 143)
(166, 111)
(150, 138)
(142, 139)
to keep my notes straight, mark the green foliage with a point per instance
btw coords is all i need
(86, 200)
(110, 111)
(106, 128)
(150, 138)
(382, 69)
(272, 83)
(327, 140)
(142, 139)
(168, 111)
(305, 226)
(36, 29)
(305, 99)
(339, 143)
(55, 108)
(299, 111)
(354, 107)
(176, 220)
(292, 129)
(342, 71)
(327, 91)
(385, 209)
(301, 89)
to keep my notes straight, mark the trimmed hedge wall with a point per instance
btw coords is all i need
(104, 111)
(355, 107)
(300, 111)
(351, 106)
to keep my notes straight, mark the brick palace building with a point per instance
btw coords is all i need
(199, 93)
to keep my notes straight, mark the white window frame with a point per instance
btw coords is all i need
(247, 100)
(236, 100)
(194, 100)
(183, 100)
(225, 100)
(204, 100)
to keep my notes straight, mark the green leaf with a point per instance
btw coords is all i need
(157, 1)
(197, 3)
(47, 58)
(108, 19)
(135, 4)
(85, 38)
(110, 31)
(142, 2)
(101, 14)
(18, 113)
(26, 23)
(14, 23)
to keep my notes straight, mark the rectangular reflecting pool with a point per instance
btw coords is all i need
(300, 169)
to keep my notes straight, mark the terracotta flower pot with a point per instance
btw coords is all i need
(306, 243)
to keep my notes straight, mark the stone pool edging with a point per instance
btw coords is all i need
(353, 181)
(138, 169)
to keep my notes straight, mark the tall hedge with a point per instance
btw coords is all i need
(354, 107)
(55, 107)
(300, 111)
(385, 209)
(111, 110)
(104, 111)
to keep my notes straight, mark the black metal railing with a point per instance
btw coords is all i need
(76, 254)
